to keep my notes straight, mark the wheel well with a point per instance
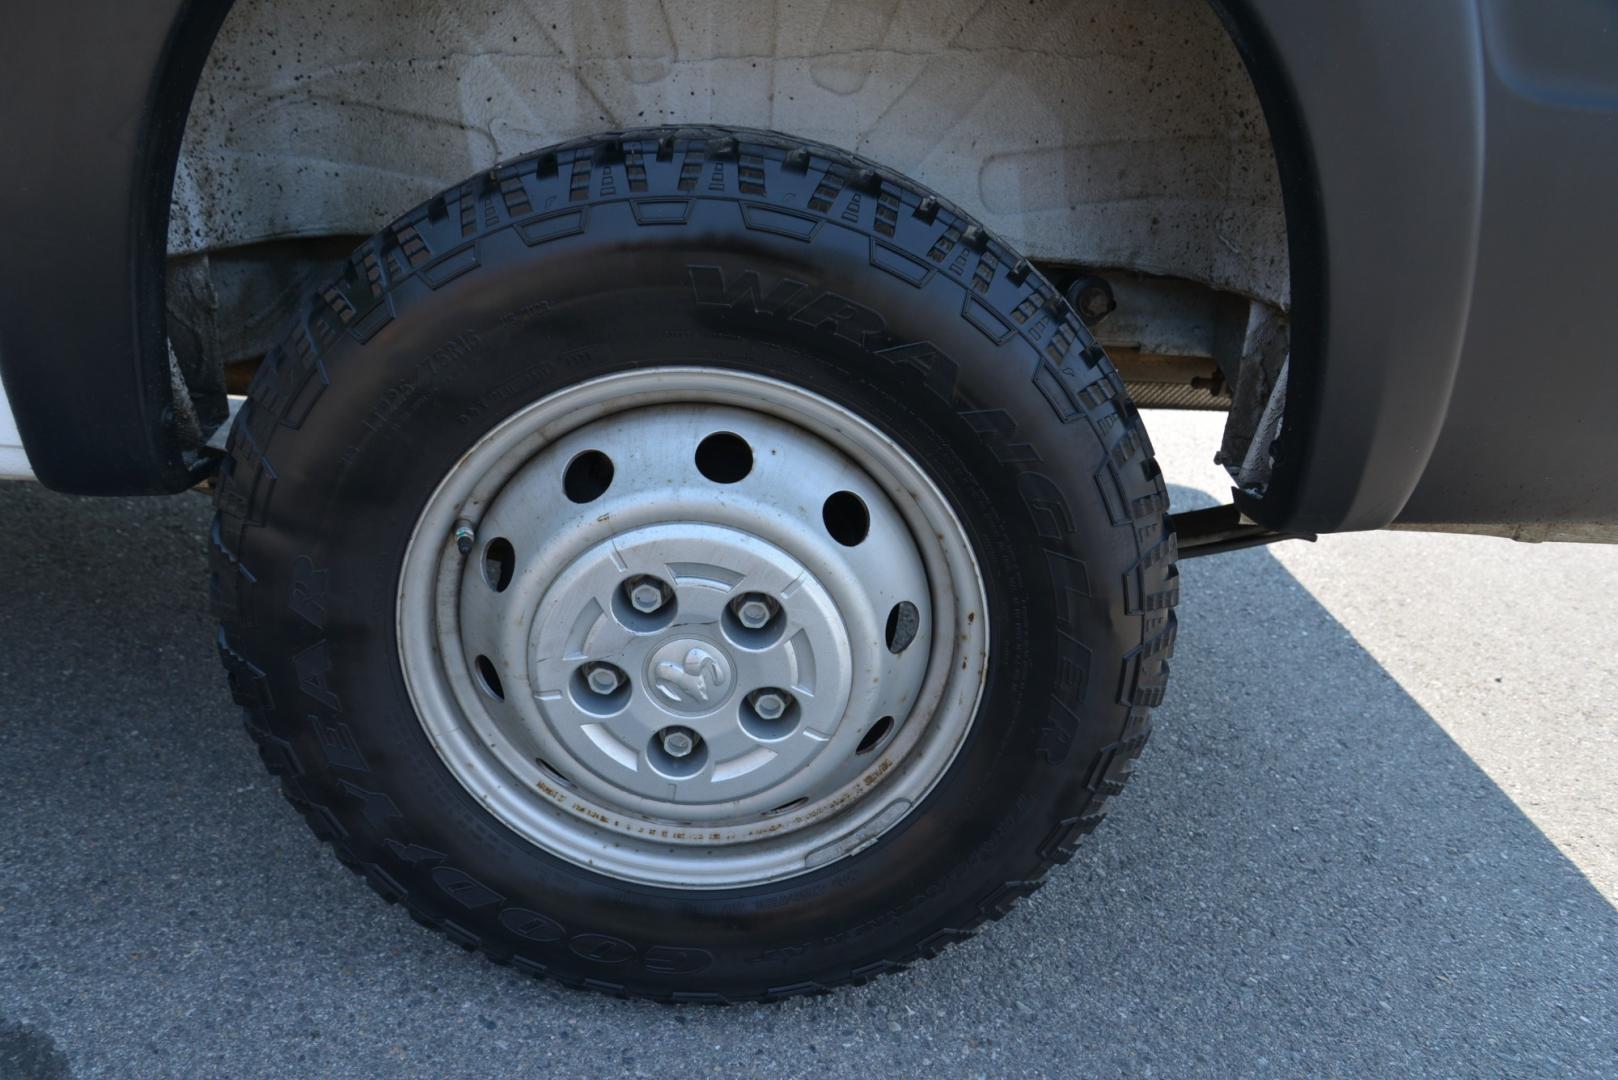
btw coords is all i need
(1106, 139)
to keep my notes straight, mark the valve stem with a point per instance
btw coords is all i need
(465, 534)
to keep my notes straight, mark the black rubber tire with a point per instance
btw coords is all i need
(672, 245)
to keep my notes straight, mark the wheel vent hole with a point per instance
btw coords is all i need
(784, 807)
(499, 563)
(903, 623)
(724, 457)
(553, 772)
(846, 518)
(490, 678)
(587, 476)
(874, 737)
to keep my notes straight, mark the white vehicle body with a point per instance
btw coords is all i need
(13, 459)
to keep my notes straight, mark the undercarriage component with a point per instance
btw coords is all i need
(1259, 399)
(1183, 345)
(1219, 529)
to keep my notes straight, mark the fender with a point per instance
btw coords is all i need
(1376, 112)
(92, 111)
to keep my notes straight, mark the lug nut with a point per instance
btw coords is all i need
(754, 611)
(677, 741)
(604, 679)
(646, 594)
(771, 704)
(465, 534)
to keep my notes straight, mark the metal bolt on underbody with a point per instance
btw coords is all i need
(1092, 297)
(754, 611)
(602, 678)
(465, 534)
(646, 594)
(771, 704)
(677, 742)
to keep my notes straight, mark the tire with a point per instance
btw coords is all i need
(758, 257)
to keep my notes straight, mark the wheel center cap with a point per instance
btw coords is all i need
(690, 676)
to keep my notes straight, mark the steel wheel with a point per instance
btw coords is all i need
(691, 627)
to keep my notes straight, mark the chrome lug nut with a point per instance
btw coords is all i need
(771, 704)
(754, 611)
(646, 594)
(603, 679)
(678, 742)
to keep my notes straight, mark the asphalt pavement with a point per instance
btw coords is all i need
(1376, 834)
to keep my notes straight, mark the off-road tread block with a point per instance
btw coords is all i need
(914, 233)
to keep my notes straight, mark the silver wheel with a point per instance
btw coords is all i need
(692, 627)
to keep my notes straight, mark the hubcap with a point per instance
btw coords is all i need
(714, 630)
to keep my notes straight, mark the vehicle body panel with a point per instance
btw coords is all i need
(13, 458)
(1529, 436)
(94, 98)
(1376, 110)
